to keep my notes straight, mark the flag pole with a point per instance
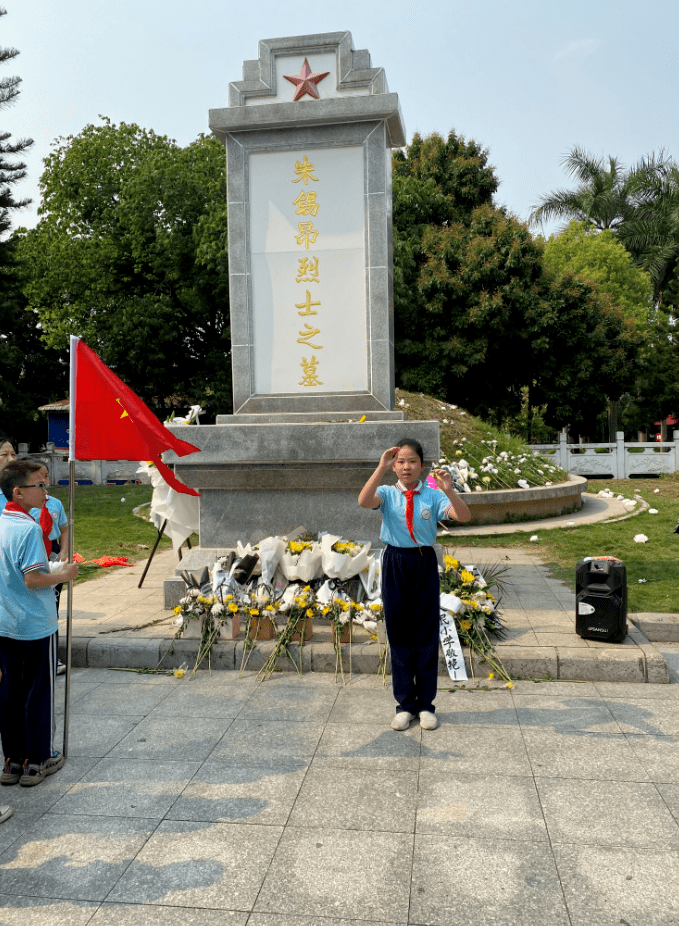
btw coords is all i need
(71, 475)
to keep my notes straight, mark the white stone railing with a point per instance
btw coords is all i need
(98, 472)
(619, 458)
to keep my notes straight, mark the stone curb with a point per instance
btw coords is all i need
(659, 628)
(639, 662)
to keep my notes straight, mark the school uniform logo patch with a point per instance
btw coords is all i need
(426, 514)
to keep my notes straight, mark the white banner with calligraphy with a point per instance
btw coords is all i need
(450, 642)
(308, 277)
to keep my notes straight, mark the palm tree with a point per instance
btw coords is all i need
(651, 233)
(601, 199)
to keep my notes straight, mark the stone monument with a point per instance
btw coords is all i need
(308, 133)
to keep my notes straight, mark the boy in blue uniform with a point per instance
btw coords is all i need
(409, 571)
(28, 627)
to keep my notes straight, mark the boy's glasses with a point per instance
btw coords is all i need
(36, 485)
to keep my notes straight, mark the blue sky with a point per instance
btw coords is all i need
(526, 79)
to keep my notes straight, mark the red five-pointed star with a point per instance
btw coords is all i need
(306, 82)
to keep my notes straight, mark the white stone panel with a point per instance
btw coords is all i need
(340, 347)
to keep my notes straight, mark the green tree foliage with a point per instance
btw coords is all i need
(602, 258)
(640, 205)
(477, 319)
(131, 254)
(30, 374)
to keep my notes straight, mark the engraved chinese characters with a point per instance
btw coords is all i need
(307, 286)
(307, 272)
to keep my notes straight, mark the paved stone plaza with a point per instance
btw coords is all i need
(291, 802)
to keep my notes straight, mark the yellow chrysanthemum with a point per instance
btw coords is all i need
(326, 610)
(254, 611)
(491, 675)
(467, 576)
(179, 673)
(178, 609)
(375, 607)
(466, 625)
(451, 562)
(310, 612)
(233, 607)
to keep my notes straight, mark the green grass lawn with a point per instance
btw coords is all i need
(105, 525)
(656, 561)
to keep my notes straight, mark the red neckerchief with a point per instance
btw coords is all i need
(44, 526)
(410, 506)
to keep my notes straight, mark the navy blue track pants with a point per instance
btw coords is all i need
(410, 594)
(27, 698)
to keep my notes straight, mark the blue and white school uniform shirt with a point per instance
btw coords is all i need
(25, 613)
(429, 507)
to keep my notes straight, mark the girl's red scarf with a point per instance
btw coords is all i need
(45, 522)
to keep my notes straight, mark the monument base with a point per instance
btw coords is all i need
(258, 480)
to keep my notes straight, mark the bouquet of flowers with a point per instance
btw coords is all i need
(207, 615)
(343, 559)
(476, 617)
(301, 560)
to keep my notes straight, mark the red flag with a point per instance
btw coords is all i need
(110, 422)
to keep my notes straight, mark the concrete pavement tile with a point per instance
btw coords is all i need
(507, 883)
(574, 754)
(670, 794)
(197, 700)
(468, 750)
(217, 866)
(249, 741)
(245, 794)
(477, 708)
(276, 919)
(127, 788)
(555, 689)
(117, 677)
(289, 703)
(519, 636)
(43, 797)
(357, 799)
(561, 714)
(20, 821)
(339, 873)
(606, 885)
(114, 914)
(369, 746)
(74, 858)
(514, 617)
(483, 806)
(162, 737)
(621, 691)
(602, 813)
(95, 736)
(17, 910)
(658, 754)
(560, 639)
(125, 699)
(646, 715)
(363, 706)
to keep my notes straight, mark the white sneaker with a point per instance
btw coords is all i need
(61, 667)
(428, 720)
(401, 721)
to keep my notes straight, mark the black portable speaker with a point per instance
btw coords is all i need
(601, 600)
